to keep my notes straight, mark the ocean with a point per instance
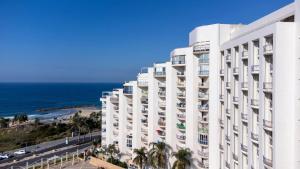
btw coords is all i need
(31, 97)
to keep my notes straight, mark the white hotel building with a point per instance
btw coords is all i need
(232, 96)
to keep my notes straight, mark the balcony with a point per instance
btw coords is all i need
(180, 126)
(221, 122)
(161, 123)
(267, 86)
(142, 83)
(227, 138)
(227, 84)
(181, 95)
(227, 112)
(245, 54)
(235, 157)
(227, 165)
(203, 120)
(202, 96)
(180, 137)
(254, 103)
(144, 120)
(254, 137)
(267, 124)
(129, 127)
(244, 148)
(178, 62)
(180, 84)
(244, 117)
(203, 130)
(181, 105)
(221, 72)
(162, 104)
(268, 49)
(221, 147)
(203, 141)
(203, 85)
(200, 48)
(161, 133)
(203, 73)
(160, 84)
(203, 154)
(244, 85)
(203, 165)
(114, 100)
(235, 128)
(203, 60)
(235, 100)
(162, 93)
(228, 58)
(160, 74)
(143, 139)
(203, 108)
(268, 162)
(180, 74)
(235, 70)
(181, 116)
(221, 96)
(255, 69)
(145, 112)
(144, 100)
(162, 114)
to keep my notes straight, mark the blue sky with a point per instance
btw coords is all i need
(105, 40)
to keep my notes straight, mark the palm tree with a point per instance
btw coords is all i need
(111, 150)
(183, 157)
(159, 154)
(141, 157)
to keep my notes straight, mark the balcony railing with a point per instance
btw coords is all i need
(228, 58)
(161, 104)
(235, 157)
(178, 62)
(267, 123)
(221, 96)
(181, 84)
(202, 95)
(235, 99)
(268, 162)
(203, 165)
(203, 153)
(161, 122)
(255, 69)
(244, 148)
(181, 116)
(227, 165)
(244, 85)
(180, 136)
(180, 126)
(201, 48)
(221, 71)
(221, 147)
(180, 73)
(161, 113)
(235, 128)
(221, 121)
(227, 138)
(268, 49)
(203, 73)
(244, 117)
(227, 111)
(254, 102)
(245, 54)
(114, 99)
(181, 105)
(162, 93)
(142, 83)
(235, 70)
(160, 84)
(268, 86)
(203, 130)
(203, 85)
(227, 84)
(180, 94)
(160, 74)
(254, 136)
(203, 107)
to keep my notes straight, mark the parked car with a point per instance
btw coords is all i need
(4, 156)
(20, 152)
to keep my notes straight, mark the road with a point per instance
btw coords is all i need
(22, 164)
(49, 146)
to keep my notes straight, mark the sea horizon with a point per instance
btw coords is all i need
(59, 98)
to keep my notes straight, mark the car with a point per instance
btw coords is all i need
(20, 152)
(4, 156)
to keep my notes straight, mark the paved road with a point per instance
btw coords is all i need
(22, 164)
(52, 145)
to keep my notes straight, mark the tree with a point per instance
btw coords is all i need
(141, 157)
(21, 117)
(111, 150)
(183, 157)
(159, 154)
(4, 122)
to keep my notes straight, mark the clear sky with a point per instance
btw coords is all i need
(105, 40)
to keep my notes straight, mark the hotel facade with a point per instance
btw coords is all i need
(232, 96)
